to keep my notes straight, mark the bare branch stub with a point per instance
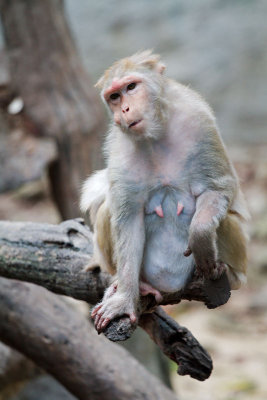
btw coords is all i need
(61, 340)
(177, 343)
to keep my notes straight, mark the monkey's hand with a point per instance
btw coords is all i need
(114, 304)
(202, 243)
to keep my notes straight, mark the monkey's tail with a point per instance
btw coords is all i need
(93, 193)
(232, 246)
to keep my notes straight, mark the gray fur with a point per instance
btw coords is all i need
(164, 265)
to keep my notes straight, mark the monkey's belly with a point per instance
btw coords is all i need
(168, 215)
(164, 265)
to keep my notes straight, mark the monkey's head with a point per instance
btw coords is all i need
(133, 89)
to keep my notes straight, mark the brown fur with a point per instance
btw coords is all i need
(104, 236)
(163, 133)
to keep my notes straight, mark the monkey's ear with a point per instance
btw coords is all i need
(153, 63)
(156, 66)
(149, 60)
(160, 68)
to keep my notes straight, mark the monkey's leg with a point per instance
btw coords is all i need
(109, 308)
(98, 311)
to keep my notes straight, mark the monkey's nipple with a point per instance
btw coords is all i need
(159, 211)
(180, 208)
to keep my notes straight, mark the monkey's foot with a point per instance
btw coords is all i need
(213, 272)
(110, 291)
(116, 305)
(206, 264)
(146, 289)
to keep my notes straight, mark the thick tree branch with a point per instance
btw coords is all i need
(54, 256)
(59, 99)
(14, 369)
(59, 339)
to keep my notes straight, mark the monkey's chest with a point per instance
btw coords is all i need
(171, 204)
(168, 215)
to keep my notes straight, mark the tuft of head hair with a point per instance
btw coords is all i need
(138, 62)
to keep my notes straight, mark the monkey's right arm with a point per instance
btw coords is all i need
(127, 226)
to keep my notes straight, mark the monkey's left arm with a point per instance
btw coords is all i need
(214, 186)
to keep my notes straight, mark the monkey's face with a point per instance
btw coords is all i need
(128, 99)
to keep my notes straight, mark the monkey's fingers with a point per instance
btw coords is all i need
(96, 320)
(210, 269)
(187, 252)
(98, 324)
(218, 270)
(104, 323)
(101, 321)
(101, 324)
(95, 310)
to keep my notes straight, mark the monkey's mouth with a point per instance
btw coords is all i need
(134, 123)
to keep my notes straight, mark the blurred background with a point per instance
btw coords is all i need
(52, 125)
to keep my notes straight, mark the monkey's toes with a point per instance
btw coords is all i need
(95, 310)
(102, 324)
(218, 270)
(111, 308)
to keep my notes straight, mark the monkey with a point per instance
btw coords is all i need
(169, 203)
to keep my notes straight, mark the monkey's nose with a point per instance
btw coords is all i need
(126, 109)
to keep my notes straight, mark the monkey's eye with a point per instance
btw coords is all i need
(131, 86)
(114, 96)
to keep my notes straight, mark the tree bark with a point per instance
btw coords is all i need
(14, 369)
(54, 256)
(60, 340)
(59, 100)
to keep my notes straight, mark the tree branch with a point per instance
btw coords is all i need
(47, 329)
(54, 256)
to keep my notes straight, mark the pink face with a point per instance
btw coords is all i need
(128, 100)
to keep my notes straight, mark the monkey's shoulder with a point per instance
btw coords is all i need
(188, 101)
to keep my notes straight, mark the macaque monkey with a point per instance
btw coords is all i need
(169, 202)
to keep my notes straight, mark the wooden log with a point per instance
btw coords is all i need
(56, 337)
(54, 256)
(59, 99)
(15, 368)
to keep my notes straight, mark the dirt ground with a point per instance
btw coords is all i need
(235, 334)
